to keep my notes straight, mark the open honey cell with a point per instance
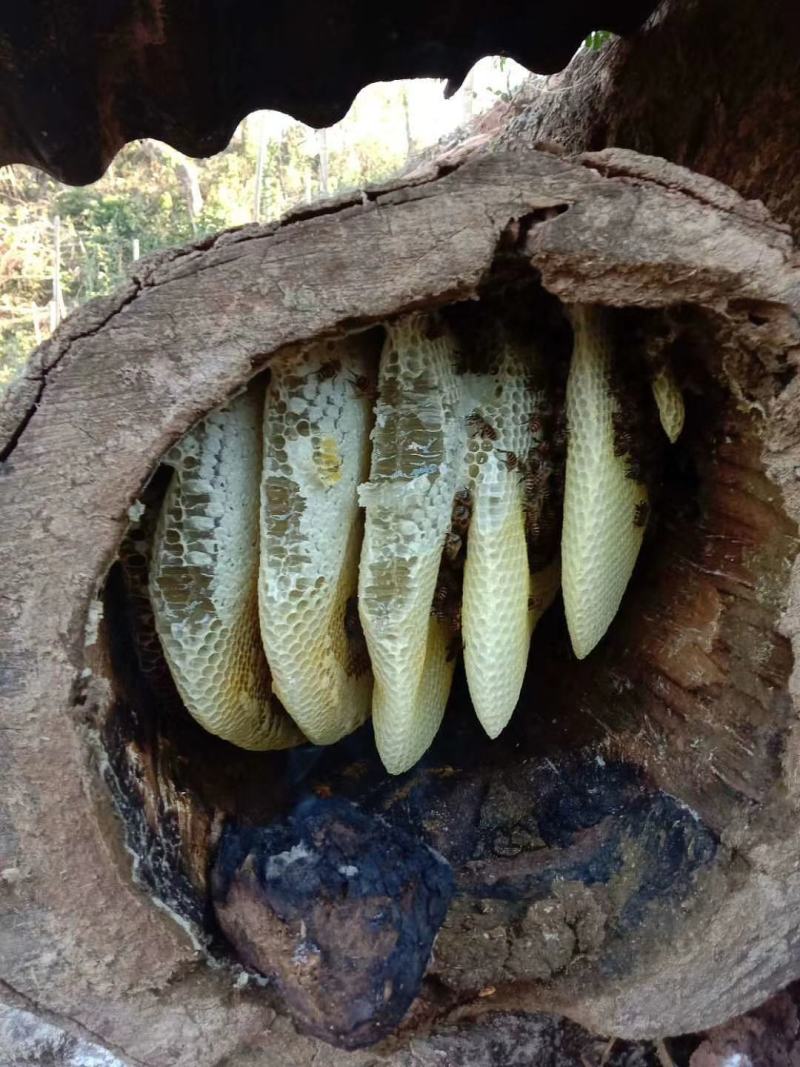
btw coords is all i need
(437, 557)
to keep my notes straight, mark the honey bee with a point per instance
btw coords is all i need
(363, 387)
(533, 527)
(535, 423)
(462, 512)
(534, 477)
(446, 604)
(542, 518)
(511, 459)
(634, 469)
(479, 427)
(327, 370)
(441, 602)
(452, 546)
(641, 513)
(623, 435)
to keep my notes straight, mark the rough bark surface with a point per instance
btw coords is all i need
(709, 84)
(127, 375)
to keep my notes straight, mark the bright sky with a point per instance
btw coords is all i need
(431, 116)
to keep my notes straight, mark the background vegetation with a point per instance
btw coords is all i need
(60, 246)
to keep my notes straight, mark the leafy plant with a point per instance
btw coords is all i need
(598, 39)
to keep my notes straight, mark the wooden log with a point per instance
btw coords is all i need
(626, 854)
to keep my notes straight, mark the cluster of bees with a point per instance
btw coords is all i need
(541, 475)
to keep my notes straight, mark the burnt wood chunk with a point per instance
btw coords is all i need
(340, 907)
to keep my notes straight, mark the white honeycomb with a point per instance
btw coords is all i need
(417, 455)
(502, 411)
(317, 421)
(203, 579)
(669, 401)
(461, 501)
(602, 533)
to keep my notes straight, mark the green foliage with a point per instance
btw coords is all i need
(103, 226)
(152, 198)
(598, 39)
(146, 197)
(140, 197)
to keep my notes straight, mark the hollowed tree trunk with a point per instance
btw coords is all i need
(709, 84)
(627, 853)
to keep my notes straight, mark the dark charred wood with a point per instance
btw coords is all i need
(340, 907)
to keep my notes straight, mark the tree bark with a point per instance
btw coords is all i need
(664, 779)
(684, 728)
(709, 84)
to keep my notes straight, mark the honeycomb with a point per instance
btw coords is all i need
(669, 401)
(399, 520)
(317, 420)
(601, 534)
(203, 575)
(417, 461)
(503, 410)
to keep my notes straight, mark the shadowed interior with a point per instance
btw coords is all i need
(603, 798)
